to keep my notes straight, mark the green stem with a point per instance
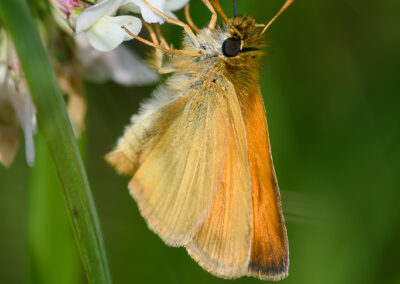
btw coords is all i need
(51, 246)
(55, 126)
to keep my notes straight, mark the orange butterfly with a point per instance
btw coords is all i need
(199, 152)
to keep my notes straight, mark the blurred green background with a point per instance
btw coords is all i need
(332, 92)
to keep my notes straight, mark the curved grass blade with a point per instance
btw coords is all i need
(54, 124)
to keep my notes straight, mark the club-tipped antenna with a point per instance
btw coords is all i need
(284, 7)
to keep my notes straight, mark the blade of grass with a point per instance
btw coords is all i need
(54, 124)
(51, 246)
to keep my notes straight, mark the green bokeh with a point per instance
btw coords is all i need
(332, 92)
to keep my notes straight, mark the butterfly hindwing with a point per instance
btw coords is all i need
(178, 176)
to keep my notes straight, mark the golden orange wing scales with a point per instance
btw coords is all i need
(139, 138)
(269, 246)
(222, 244)
(207, 157)
(179, 173)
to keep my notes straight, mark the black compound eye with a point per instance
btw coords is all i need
(231, 47)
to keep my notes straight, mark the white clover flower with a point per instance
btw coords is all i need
(103, 29)
(16, 107)
(120, 65)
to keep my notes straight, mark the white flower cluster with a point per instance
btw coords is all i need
(97, 30)
(103, 27)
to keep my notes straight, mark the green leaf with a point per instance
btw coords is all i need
(54, 124)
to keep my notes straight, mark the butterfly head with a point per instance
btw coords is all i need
(244, 41)
(241, 39)
(236, 49)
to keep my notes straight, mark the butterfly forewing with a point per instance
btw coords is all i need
(269, 244)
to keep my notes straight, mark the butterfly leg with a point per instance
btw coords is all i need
(158, 53)
(161, 37)
(213, 20)
(167, 50)
(176, 22)
(189, 19)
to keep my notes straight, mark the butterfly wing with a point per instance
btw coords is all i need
(269, 244)
(180, 168)
(222, 245)
(138, 138)
(245, 231)
(204, 178)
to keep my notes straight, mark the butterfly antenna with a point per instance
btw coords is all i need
(235, 8)
(284, 7)
(221, 12)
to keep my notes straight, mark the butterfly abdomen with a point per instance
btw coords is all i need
(125, 157)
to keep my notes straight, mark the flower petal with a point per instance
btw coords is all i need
(129, 7)
(127, 69)
(3, 57)
(92, 14)
(133, 24)
(29, 130)
(120, 65)
(26, 113)
(147, 14)
(106, 34)
(174, 5)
